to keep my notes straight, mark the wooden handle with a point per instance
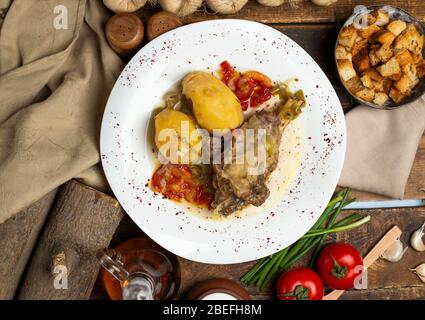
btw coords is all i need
(162, 22)
(125, 33)
(372, 256)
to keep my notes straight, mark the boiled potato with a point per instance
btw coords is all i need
(215, 106)
(188, 138)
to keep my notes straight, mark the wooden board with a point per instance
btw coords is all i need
(18, 237)
(81, 222)
(304, 12)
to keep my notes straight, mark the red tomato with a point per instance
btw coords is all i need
(340, 265)
(252, 87)
(300, 284)
(176, 182)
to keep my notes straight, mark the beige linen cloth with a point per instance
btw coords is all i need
(381, 147)
(54, 85)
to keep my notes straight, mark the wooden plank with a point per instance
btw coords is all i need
(304, 12)
(18, 236)
(404, 293)
(82, 221)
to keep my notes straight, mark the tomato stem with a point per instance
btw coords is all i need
(338, 271)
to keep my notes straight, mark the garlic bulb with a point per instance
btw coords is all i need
(226, 6)
(124, 5)
(420, 271)
(324, 3)
(416, 240)
(395, 252)
(271, 3)
(181, 8)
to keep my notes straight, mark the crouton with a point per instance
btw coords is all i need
(354, 84)
(384, 53)
(411, 71)
(389, 68)
(404, 57)
(347, 36)
(373, 58)
(420, 69)
(395, 76)
(401, 42)
(342, 53)
(386, 85)
(367, 81)
(373, 74)
(410, 39)
(415, 39)
(367, 32)
(358, 46)
(366, 94)
(404, 85)
(384, 37)
(361, 60)
(378, 86)
(396, 27)
(417, 58)
(380, 98)
(382, 17)
(346, 69)
(396, 95)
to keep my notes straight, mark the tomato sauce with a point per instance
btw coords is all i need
(252, 88)
(176, 182)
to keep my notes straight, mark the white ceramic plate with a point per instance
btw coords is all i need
(312, 150)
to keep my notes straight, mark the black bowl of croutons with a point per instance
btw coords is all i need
(379, 56)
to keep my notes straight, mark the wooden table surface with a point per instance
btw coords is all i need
(315, 29)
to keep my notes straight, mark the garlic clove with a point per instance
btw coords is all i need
(124, 5)
(171, 6)
(395, 252)
(420, 271)
(271, 3)
(225, 6)
(181, 8)
(416, 240)
(324, 3)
